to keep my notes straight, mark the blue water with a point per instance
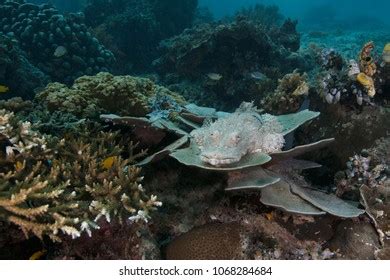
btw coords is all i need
(343, 9)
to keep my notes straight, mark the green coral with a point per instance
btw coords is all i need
(91, 96)
(50, 186)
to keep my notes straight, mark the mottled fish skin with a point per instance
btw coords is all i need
(244, 132)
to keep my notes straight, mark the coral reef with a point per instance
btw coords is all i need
(228, 63)
(223, 242)
(368, 176)
(133, 29)
(94, 165)
(259, 163)
(194, 208)
(112, 241)
(93, 95)
(16, 71)
(267, 16)
(288, 97)
(354, 130)
(66, 6)
(358, 80)
(42, 30)
(53, 187)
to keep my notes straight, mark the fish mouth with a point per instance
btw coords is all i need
(219, 161)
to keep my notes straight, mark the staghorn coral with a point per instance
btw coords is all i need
(288, 97)
(21, 137)
(66, 188)
(93, 95)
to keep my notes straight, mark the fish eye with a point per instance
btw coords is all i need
(235, 137)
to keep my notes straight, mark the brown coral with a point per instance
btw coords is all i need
(104, 93)
(366, 61)
(289, 95)
(215, 241)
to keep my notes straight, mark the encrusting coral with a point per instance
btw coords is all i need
(50, 186)
(103, 93)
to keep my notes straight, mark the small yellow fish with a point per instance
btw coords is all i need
(3, 89)
(19, 166)
(109, 162)
(38, 255)
(269, 216)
